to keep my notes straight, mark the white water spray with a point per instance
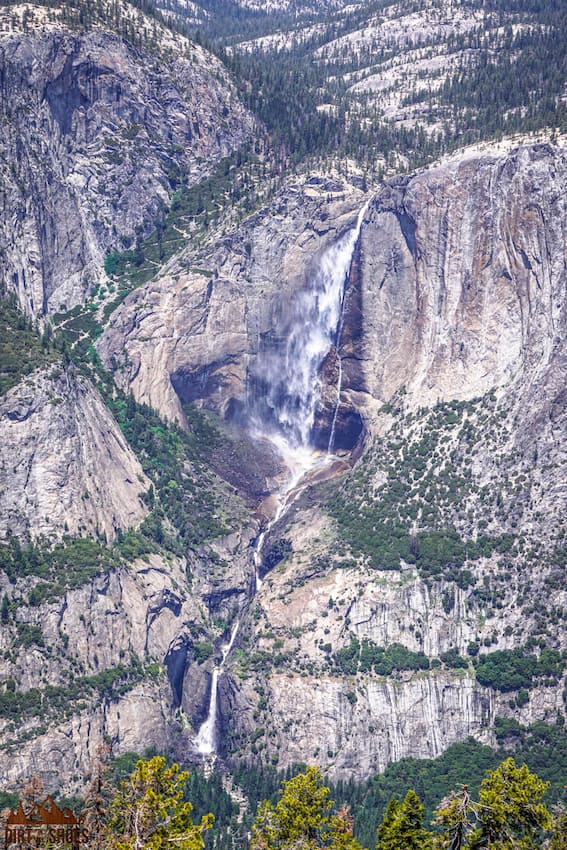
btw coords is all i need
(288, 377)
(206, 736)
(299, 462)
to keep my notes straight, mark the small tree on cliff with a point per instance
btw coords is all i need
(303, 818)
(148, 812)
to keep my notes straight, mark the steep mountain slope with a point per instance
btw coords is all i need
(68, 465)
(395, 84)
(450, 527)
(98, 132)
(105, 112)
(410, 612)
(190, 335)
(390, 601)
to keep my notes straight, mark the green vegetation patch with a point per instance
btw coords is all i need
(425, 486)
(65, 566)
(512, 669)
(237, 181)
(503, 670)
(184, 492)
(366, 656)
(22, 348)
(63, 700)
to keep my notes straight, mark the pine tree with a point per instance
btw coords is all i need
(402, 827)
(508, 816)
(456, 814)
(341, 830)
(148, 812)
(303, 817)
(5, 610)
(386, 827)
(511, 811)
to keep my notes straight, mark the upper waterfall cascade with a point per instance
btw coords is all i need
(288, 375)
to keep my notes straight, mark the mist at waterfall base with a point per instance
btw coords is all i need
(287, 389)
(285, 386)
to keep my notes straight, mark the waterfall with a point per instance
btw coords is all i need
(258, 559)
(287, 376)
(205, 740)
(206, 736)
(282, 408)
(339, 388)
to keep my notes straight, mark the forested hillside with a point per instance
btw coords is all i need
(148, 803)
(381, 79)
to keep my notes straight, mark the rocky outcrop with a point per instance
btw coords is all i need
(97, 134)
(456, 291)
(316, 603)
(70, 749)
(463, 276)
(125, 623)
(195, 336)
(65, 465)
(457, 287)
(354, 728)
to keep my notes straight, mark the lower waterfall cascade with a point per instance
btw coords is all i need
(205, 740)
(285, 415)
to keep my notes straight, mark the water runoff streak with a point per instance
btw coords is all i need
(284, 411)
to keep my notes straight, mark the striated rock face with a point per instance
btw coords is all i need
(456, 291)
(457, 287)
(316, 603)
(131, 616)
(357, 728)
(98, 134)
(65, 465)
(68, 751)
(463, 276)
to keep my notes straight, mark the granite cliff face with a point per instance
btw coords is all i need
(193, 335)
(456, 288)
(117, 625)
(463, 277)
(451, 350)
(456, 297)
(103, 117)
(98, 132)
(68, 468)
